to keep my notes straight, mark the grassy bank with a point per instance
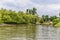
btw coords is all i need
(58, 24)
(47, 23)
(4, 24)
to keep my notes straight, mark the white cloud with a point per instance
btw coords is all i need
(24, 4)
(15, 4)
(53, 6)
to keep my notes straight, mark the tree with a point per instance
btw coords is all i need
(53, 17)
(34, 11)
(59, 15)
(31, 11)
(27, 11)
(9, 16)
(46, 18)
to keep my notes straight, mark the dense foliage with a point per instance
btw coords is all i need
(47, 19)
(9, 16)
(30, 16)
(44, 18)
(54, 19)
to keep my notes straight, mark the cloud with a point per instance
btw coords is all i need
(42, 7)
(54, 6)
(13, 3)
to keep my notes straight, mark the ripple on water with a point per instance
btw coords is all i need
(17, 38)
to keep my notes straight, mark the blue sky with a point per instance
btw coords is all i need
(44, 7)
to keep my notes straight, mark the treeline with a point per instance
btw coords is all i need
(30, 16)
(20, 17)
(46, 18)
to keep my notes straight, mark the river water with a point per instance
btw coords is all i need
(29, 32)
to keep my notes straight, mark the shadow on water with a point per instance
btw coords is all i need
(18, 32)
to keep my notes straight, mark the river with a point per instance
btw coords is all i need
(29, 32)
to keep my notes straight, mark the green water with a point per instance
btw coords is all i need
(29, 32)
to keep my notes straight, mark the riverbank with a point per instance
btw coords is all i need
(58, 24)
(45, 23)
(37, 23)
(3, 24)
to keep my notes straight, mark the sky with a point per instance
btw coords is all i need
(44, 7)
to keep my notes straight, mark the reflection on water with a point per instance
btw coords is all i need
(29, 32)
(47, 33)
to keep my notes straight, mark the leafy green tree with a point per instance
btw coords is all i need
(9, 16)
(46, 18)
(55, 21)
(34, 11)
(53, 17)
(31, 11)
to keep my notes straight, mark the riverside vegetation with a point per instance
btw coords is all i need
(13, 17)
(28, 17)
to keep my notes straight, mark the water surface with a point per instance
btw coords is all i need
(29, 32)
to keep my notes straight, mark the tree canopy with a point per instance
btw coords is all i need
(9, 16)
